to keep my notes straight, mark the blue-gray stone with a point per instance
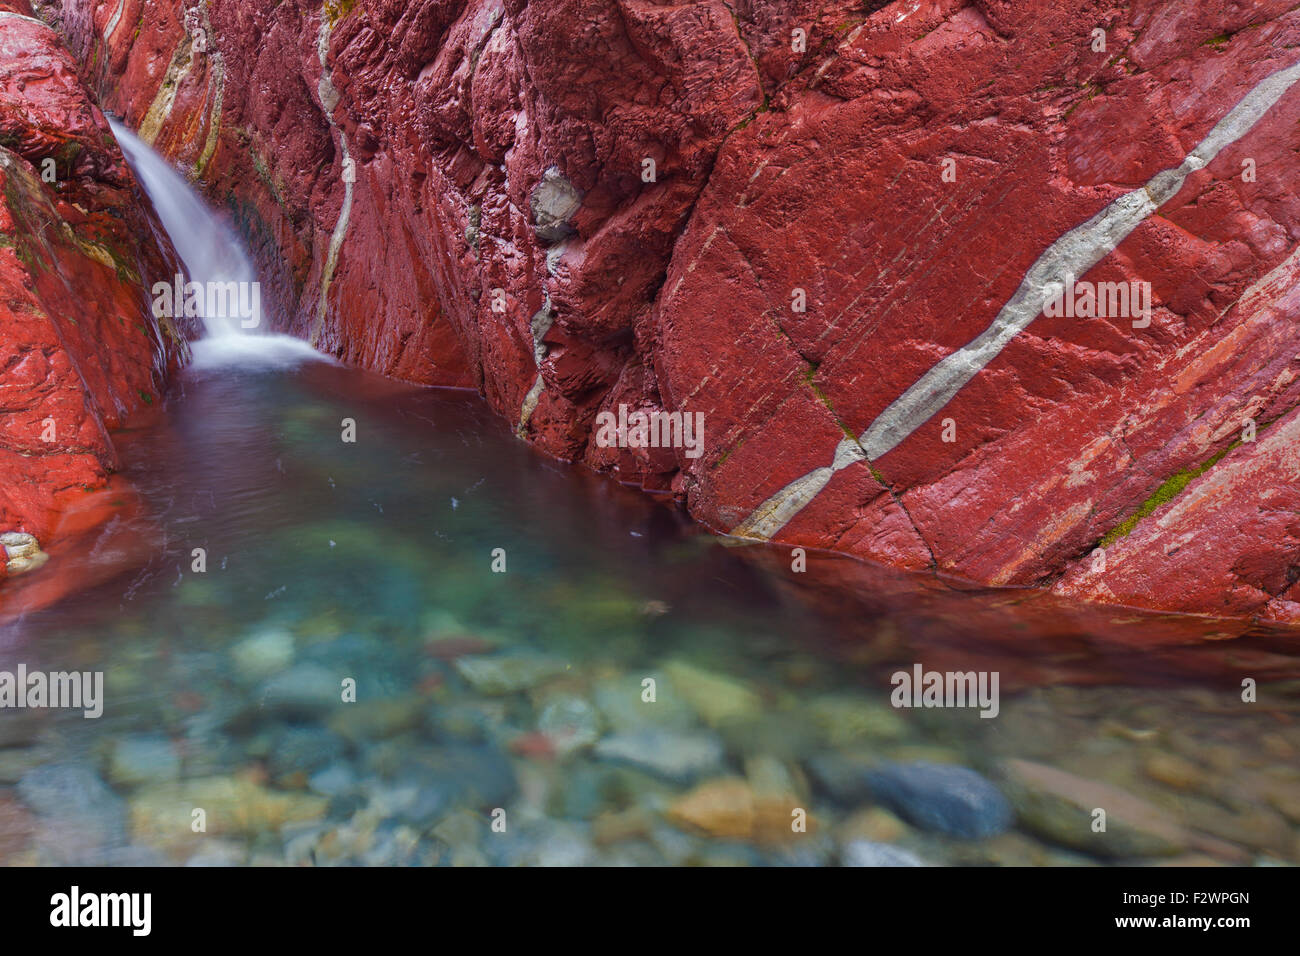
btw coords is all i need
(866, 853)
(947, 799)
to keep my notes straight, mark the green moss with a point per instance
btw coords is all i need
(821, 397)
(1220, 41)
(808, 375)
(1167, 492)
(1173, 487)
(145, 396)
(68, 154)
(336, 10)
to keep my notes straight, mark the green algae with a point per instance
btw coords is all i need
(1170, 489)
(336, 10)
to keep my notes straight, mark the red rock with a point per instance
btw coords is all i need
(94, 537)
(476, 127)
(82, 352)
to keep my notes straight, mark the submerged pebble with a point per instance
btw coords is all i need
(669, 754)
(141, 758)
(953, 800)
(866, 853)
(508, 673)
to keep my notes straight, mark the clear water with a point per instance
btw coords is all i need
(373, 561)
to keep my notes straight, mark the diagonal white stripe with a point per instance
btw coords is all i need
(1073, 254)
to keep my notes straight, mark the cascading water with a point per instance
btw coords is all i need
(214, 260)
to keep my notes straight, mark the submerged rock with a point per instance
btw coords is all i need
(866, 853)
(502, 674)
(259, 656)
(592, 789)
(476, 776)
(143, 758)
(379, 718)
(622, 705)
(673, 755)
(847, 720)
(732, 808)
(715, 697)
(1062, 807)
(843, 775)
(305, 691)
(298, 752)
(79, 817)
(948, 799)
(570, 723)
(163, 815)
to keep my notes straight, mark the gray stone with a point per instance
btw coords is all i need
(143, 758)
(622, 707)
(554, 202)
(336, 780)
(501, 674)
(465, 722)
(22, 552)
(305, 691)
(866, 853)
(842, 775)
(263, 654)
(944, 798)
(79, 816)
(301, 751)
(570, 722)
(681, 757)
(1060, 807)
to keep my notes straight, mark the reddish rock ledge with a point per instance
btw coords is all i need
(82, 354)
(826, 226)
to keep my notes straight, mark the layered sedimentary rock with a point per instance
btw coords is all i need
(82, 353)
(831, 228)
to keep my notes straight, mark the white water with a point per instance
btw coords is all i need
(212, 253)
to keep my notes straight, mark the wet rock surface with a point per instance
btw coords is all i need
(83, 353)
(786, 236)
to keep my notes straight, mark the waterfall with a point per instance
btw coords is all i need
(222, 284)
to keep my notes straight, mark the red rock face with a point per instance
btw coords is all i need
(826, 227)
(82, 353)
